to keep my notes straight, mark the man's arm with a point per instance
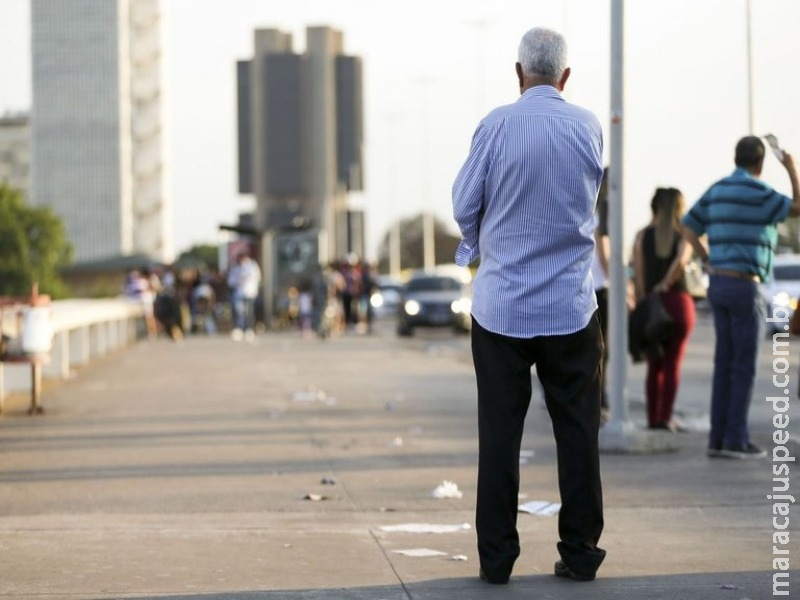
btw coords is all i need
(690, 235)
(603, 249)
(468, 199)
(791, 169)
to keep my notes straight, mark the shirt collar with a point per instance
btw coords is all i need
(740, 172)
(542, 91)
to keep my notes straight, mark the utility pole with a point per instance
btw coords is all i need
(619, 434)
(428, 230)
(395, 266)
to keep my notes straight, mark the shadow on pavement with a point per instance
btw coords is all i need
(752, 585)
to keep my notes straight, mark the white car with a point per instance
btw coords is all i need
(783, 288)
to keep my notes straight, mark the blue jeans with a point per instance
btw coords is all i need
(244, 313)
(739, 321)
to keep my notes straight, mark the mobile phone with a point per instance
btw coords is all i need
(776, 148)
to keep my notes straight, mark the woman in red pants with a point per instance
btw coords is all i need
(659, 256)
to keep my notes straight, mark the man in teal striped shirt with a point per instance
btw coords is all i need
(738, 217)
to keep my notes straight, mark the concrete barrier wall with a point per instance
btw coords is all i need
(83, 329)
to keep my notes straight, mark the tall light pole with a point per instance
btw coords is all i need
(395, 266)
(619, 434)
(428, 229)
(481, 27)
(750, 103)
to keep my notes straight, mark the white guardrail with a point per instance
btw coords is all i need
(83, 329)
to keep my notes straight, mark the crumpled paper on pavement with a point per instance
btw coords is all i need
(447, 489)
(426, 528)
(541, 508)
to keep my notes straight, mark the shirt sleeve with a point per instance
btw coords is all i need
(783, 205)
(468, 196)
(697, 217)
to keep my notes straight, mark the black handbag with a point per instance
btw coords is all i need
(649, 327)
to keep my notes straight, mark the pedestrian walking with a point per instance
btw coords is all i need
(244, 279)
(732, 227)
(524, 201)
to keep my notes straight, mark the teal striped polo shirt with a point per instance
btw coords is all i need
(739, 214)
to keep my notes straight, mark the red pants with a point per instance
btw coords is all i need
(664, 374)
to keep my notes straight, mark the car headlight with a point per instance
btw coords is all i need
(376, 300)
(411, 307)
(462, 305)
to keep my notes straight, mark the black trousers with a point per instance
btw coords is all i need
(602, 315)
(569, 368)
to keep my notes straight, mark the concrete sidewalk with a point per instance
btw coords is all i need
(214, 469)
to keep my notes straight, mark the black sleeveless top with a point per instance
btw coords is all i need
(656, 267)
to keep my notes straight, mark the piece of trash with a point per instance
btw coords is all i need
(420, 552)
(314, 497)
(426, 528)
(287, 545)
(462, 557)
(397, 442)
(728, 586)
(541, 508)
(447, 489)
(387, 509)
(312, 394)
(328, 481)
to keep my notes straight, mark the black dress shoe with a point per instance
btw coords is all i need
(493, 580)
(562, 570)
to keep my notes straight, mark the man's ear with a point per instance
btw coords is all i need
(563, 81)
(520, 78)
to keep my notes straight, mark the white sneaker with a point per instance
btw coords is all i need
(249, 335)
(236, 335)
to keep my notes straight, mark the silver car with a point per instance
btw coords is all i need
(434, 301)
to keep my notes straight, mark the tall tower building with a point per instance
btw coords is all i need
(98, 135)
(300, 121)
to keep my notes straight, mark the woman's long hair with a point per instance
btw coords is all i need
(667, 207)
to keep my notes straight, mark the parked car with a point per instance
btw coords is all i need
(385, 298)
(430, 300)
(783, 288)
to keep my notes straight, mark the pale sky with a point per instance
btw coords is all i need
(432, 68)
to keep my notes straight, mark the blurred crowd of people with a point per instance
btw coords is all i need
(179, 301)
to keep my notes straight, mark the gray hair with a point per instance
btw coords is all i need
(543, 53)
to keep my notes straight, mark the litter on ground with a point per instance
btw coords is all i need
(426, 528)
(541, 508)
(447, 489)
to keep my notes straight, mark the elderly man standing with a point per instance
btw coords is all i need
(525, 203)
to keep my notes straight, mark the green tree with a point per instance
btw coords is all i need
(33, 247)
(200, 256)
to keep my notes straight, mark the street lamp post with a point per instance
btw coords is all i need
(619, 434)
(428, 229)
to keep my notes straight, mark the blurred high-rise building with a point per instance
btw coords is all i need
(300, 121)
(15, 153)
(98, 130)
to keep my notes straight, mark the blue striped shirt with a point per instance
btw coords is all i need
(739, 214)
(524, 201)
